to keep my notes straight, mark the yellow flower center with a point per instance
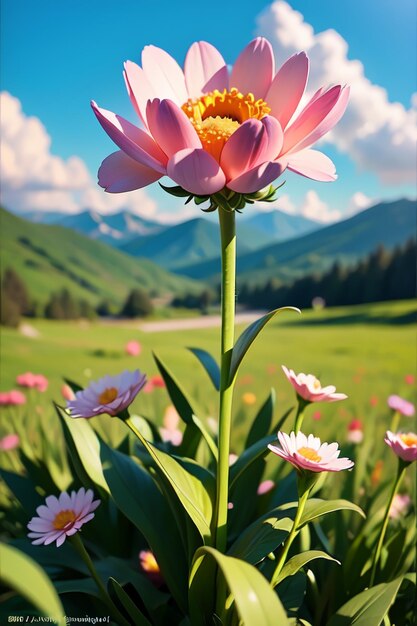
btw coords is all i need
(310, 454)
(410, 439)
(63, 518)
(218, 114)
(317, 384)
(149, 563)
(108, 395)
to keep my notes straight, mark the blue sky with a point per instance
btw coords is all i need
(56, 56)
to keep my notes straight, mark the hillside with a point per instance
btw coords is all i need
(388, 223)
(50, 257)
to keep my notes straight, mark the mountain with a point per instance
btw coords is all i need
(282, 226)
(50, 257)
(387, 223)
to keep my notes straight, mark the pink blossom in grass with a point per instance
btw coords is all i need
(404, 445)
(62, 517)
(9, 442)
(170, 431)
(308, 453)
(355, 431)
(157, 382)
(265, 487)
(67, 393)
(12, 398)
(399, 506)
(110, 394)
(309, 388)
(208, 130)
(409, 379)
(33, 381)
(133, 348)
(316, 416)
(374, 401)
(396, 403)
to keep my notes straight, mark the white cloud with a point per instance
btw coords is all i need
(34, 179)
(379, 135)
(359, 202)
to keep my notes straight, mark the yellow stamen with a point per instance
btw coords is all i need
(218, 114)
(108, 395)
(310, 454)
(410, 439)
(63, 518)
(317, 384)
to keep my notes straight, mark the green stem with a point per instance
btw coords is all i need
(228, 252)
(300, 414)
(400, 473)
(293, 533)
(395, 421)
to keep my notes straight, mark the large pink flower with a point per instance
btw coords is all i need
(404, 445)
(207, 130)
(309, 388)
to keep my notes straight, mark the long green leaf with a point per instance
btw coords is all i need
(257, 451)
(254, 600)
(248, 337)
(316, 508)
(299, 560)
(129, 606)
(368, 607)
(26, 577)
(262, 422)
(260, 538)
(210, 365)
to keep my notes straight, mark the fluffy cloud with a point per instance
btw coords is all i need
(312, 207)
(34, 179)
(379, 135)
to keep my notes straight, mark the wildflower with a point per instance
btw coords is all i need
(309, 388)
(316, 416)
(355, 431)
(157, 382)
(249, 398)
(110, 394)
(33, 381)
(207, 131)
(404, 445)
(265, 486)
(170, 431)
(150, 565)
(409, 379)
(399, 506)
(308, 453)
(377, 472)
(9, 442)
(62, 517)
(396, 403)
(373, 401)
(67, 393)
(133, 348)
(12, 398)
(232, 458)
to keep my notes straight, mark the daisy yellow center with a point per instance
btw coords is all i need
(410, 439)
(218, 114)
(310, 454)
(108, 395)
(63, 518)
(317, 384)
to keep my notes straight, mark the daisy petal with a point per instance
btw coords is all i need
(205, 70)
(119, 173)
(254, 68)
(196, 171)
(170, 127)
(256, 178)
(139, 88)
(287, 88)
(164, 74)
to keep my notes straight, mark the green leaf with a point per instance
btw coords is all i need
(74, 386)
(368, 607)
(316, 508)
(27, 578)
(254, 600)
(127, 603)
(176, 191)
(248, 336)
(260, 538)
(23, 489)
(299, 560)
(78, 585)
(262, 422)
(291, 592)
(210, 365)
(138, 497)
(257, 451)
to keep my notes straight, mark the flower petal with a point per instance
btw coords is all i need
(170, 127)
(256, 178)
(139, 88)
(254, 68)
(253, 143)
(164, 74)
(196, 171)
(119, 173)
(204, 69)
(312, 164)
(287, 88)
(135, 142)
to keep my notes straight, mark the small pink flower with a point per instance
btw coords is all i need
(399, 506)
(33, 381)
(404, 445)
(67, 393)
(110, 394)
(396, 403)
(9, 442)
(170, 431)
(308, 453)
(232, 458)
(133, 348)
(316, 416)
(309, 388)
(373, 401)
(12, 398)
(62, 517)
(265, 486)
(355, 431)
(409, 379)
(355, 425)
(157, 382)
(230, 506)
(150, 565)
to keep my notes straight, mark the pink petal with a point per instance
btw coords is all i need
(53, 504)
(196, 171)
(254, 68)
(204, 69)
(253, 143)
(135, 142)
(256, 178)
(287, 88)
(60, 540)
(170, 127)
(119, 173)
(139, 88)
(45, 513)
(309, 119)
(164, 74)
(312, 164)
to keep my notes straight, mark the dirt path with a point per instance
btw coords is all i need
(195, 323)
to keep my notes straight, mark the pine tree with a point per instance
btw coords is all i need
(137, 304)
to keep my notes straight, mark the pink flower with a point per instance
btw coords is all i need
(399, 505)
(309, 388)
(265, 486)
(207, 130)
(355, 431)
(150, 565)
(157, 382)
(409, 379)
(170, 431)
(67, 393)
(373, 401)
(33, 381)
(402, 406)
(12, 398)
(62, 517)
(308, 453)
(133, 348)
(110, 394)
(404, 445)
(316, 416)
(9, 442)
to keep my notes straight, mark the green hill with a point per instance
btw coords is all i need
(49, 258)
